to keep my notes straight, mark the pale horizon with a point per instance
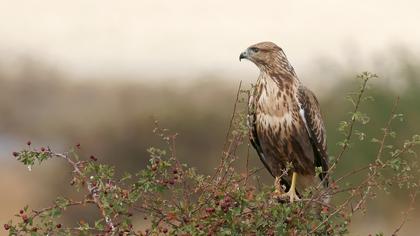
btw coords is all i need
(190, 38)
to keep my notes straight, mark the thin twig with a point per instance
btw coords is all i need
(406, 213)
(91, 188)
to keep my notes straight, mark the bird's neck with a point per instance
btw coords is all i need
(273, 86)
(280, 76)
(279, 69)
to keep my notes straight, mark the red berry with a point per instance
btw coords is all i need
(42, 149)
(78, 146)
(15, 154)
(6, 226)
(29, 143)
(154, 167)
(58, 226)
(21, 212)
(25, 218)
(210, 210)
(93, 158)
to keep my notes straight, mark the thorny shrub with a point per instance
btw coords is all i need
(177, 200)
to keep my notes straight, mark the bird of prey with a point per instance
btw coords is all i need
(286, 127)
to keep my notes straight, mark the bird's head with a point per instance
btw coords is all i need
(267, 56)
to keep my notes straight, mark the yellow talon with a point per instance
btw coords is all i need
(291, 194)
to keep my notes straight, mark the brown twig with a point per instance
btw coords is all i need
(227, 145)
(406, 213)
(90, 187)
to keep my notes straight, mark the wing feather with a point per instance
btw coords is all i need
(315, 126)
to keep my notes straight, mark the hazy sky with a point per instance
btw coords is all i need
(167, 37)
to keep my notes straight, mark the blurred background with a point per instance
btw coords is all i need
(99, 73)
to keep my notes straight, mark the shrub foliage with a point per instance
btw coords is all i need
(177, 200)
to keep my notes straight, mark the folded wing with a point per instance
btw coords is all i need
(311, 113)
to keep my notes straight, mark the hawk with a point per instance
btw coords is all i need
(286, 126)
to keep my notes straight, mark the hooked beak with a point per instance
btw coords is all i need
(244, 55)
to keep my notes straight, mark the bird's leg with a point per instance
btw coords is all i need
(291, 194)
(278, 189)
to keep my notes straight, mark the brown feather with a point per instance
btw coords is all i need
(316, 128)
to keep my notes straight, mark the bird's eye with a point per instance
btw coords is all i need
(254, 50)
